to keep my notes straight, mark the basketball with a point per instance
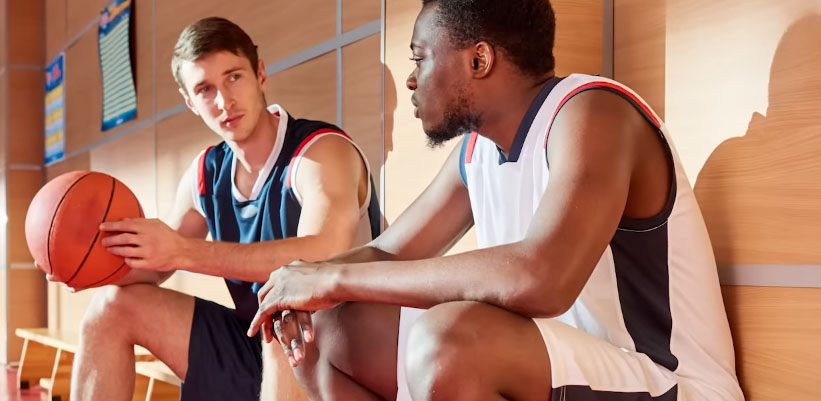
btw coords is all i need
(62, 227)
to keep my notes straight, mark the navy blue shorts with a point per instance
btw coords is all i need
(223, 362)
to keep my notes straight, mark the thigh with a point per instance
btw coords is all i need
(223, 362)
(145, 314)
(478, 348)
(360, 340)
(585, 367)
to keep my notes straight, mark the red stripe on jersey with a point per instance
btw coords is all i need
(304, 143)
(642, 105)
(201, 172)
(471, 145)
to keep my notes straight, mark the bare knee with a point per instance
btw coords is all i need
(444, 344)
(110, 311)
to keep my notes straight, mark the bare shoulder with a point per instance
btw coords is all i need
(331, 149)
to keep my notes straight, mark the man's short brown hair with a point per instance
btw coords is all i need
(211, 35)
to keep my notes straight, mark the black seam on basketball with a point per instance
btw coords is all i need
(54, 216)
(108, 277)
(94, 242)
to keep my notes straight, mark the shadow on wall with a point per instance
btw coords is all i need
(390, 107)
(761, 193)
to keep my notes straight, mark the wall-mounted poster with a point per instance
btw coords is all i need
(119, 96)
(55, 143)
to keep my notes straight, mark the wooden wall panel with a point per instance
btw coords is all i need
(25, 130)
(759, 192)
(362, 100)
(131, 160)
(776, 332)
(26, 306)
(307, 90)
(80, 13)
(25, 30)
(4, 327)
(56, 28)
(285, 28)
(78, 162)
(84, 94)
(4, 34)
(21, 185)
(4, 113)
(143, 61)
(640, 35)
(3, 224)
(578, 46)
(359, 12)
(179, 140)
(718, 68)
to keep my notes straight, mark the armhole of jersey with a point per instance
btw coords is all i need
(640, 105)
(197, 174)
(290, 181)
(466, 155)
(654, 121)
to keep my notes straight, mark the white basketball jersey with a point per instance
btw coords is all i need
(655, 289)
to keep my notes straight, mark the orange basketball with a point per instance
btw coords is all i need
(62, 227)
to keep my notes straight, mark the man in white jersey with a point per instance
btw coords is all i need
(595, 279)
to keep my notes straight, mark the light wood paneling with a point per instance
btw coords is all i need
(83, 93)
(27, 306)
(143, 61)
(639, 48)
(4, 113)
(79, 162)
(80, 13)
(25, 130)
(4, 285)
(4, 35)
(358, 12)
(719, 57)
(776, 332)
(21, 186)
(3, 224)
(362, 100)
(760, 192)
(133, 161)
(56, 28)
(179, 140)
(25, 30)
(279, 28)
(578, 46)
(307, 90)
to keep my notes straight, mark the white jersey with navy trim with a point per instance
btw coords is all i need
(650, 322)
(655, 289)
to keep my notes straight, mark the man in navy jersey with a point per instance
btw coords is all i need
(277, 189)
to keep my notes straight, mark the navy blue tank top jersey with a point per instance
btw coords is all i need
(274, 207)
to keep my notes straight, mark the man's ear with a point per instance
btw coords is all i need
(484, 59)
(188, 101)
(262, 76)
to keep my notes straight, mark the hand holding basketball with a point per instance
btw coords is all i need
(145, 244)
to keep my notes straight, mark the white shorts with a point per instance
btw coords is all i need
(584, 367)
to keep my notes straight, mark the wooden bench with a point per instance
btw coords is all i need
(49, 354)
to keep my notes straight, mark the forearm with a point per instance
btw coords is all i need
(254, 262)
(500, 276)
